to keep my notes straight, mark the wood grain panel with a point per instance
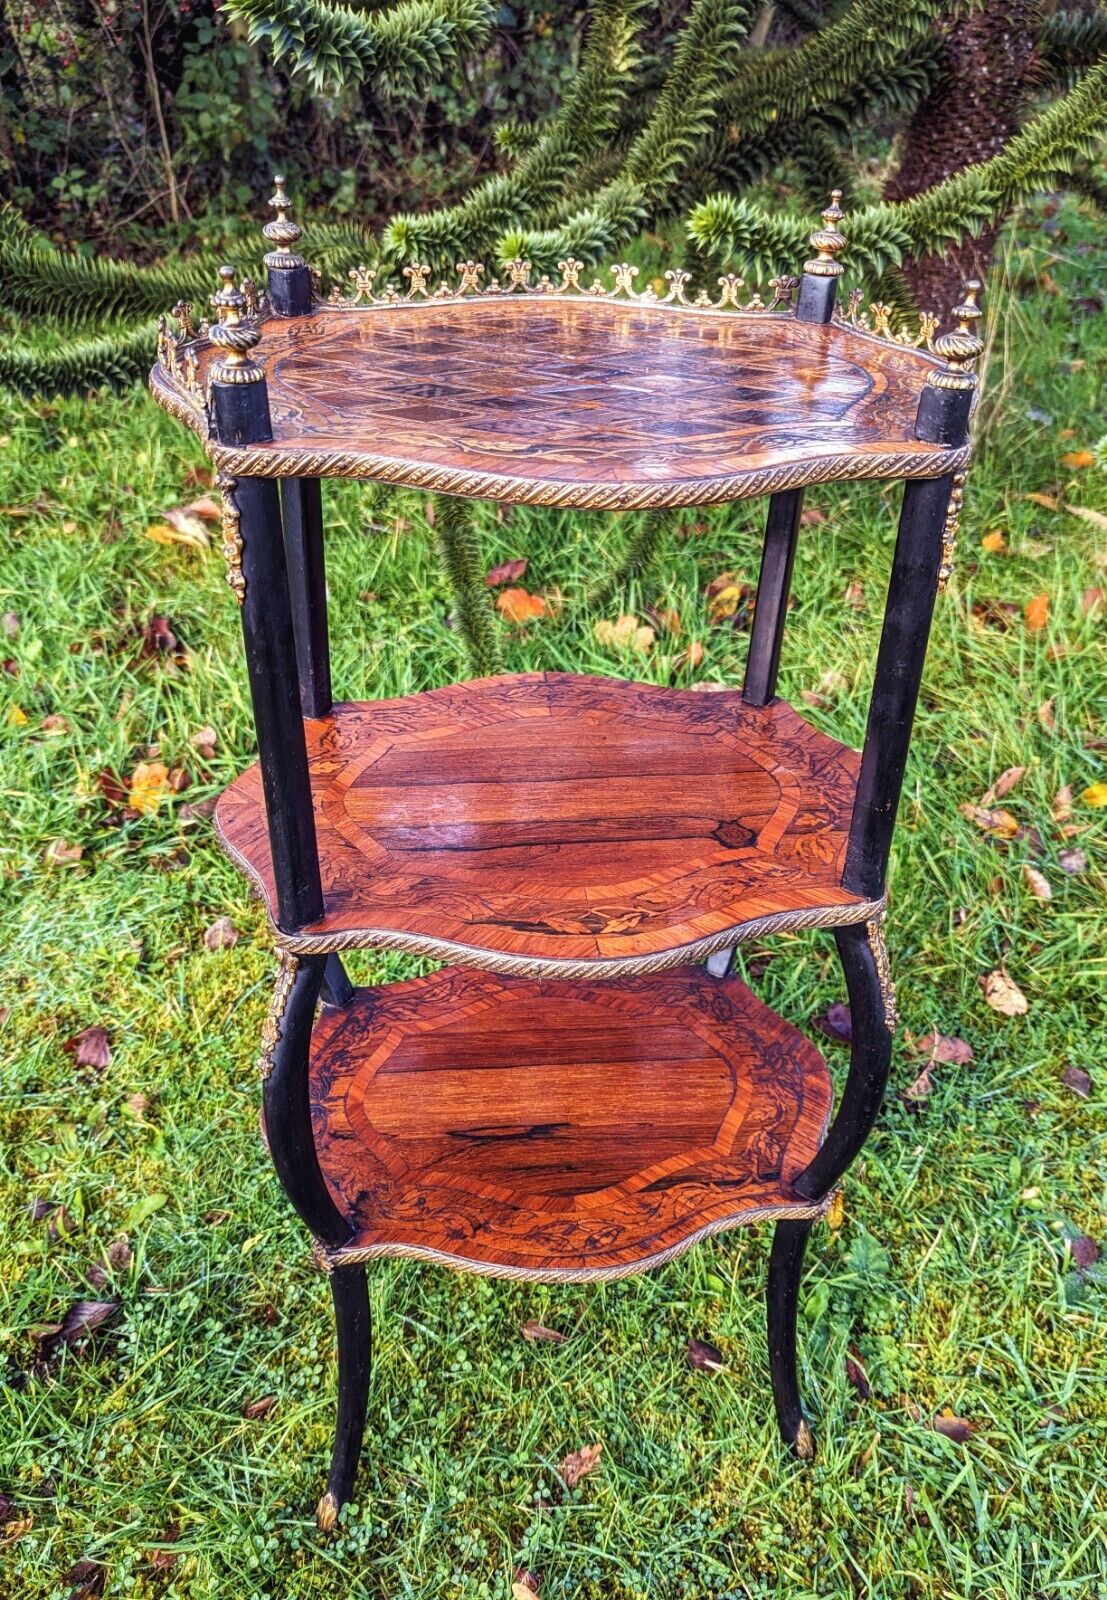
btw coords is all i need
(562, 1130)
(562, 818)
(581, 401)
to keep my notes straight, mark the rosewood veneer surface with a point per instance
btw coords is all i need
(524, 1127)
(544, 818)
(583, 401)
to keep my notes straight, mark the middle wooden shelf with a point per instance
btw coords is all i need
(563, 825)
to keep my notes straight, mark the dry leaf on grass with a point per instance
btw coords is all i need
(1036, 613)
(836, 1213)
(1003, 785)
(204, 741)
(518, 606)
(536, 1331)
(625, 635)
(1048, 501)
(703, 1356)
(835, 1023)
(58, 852)
(1096, 518)
(855, 1372)
(180, 526)
(90, 1048)
(959, 1429)
(1003, 995)
(1078, 459)
(220, 934)
(920, 1089)
(1095, 795)
(1036, 882)
(258, 1408)
(579, 1464)
(1073, 862)
(82, 1319)
(1076, 1079)
(1045, 715)
(1000, 823)
(994, 543)
(506, 572)
(148, 786)
(944, 1047)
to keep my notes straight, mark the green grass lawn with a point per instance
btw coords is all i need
(952, 1274)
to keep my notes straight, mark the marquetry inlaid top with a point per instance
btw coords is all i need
(579, 401)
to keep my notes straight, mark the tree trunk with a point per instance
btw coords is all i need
(969, 115)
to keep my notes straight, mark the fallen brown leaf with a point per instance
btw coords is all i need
(1036, 613)
(1045, 715)
(1048, 501)
(58, 852)
(1002, 786)
(854, 596)
(1078, 1081)
(1086, 514)
(921, 1088)
(704, 1357)
(81, 1320)
(579, 1464)
(1091, 600)
(835, 1023)
(1000, 823)
(836, 1213)
(1036, 882)
(158, 638)
(1073, 862)
(180, 527)
(625, 634)
(665, 618)
(90, 1048)
(945, 1047)
(524, 1584)
(253, 1409)
(811, 517)
(87, 1578)
(204, 741)
(855, 1372)
(1085, 1252)
(220, 934)
(1003, 995)
(536, 1331)
(959, 1429)
(506, 572)
(1060, 807)
(516, 605)
(994, 543)
(1078, 459)
(207, 508)
(147, 786)
(161, 1559)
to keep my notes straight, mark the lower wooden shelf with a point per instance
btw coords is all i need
(564, 826)
(548, 1130)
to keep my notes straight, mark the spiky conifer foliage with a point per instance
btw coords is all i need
(640, 135)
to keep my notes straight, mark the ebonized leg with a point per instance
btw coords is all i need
(773, 584)
(872, 1015)
(302, 506)
(355, 1353)
(785, 1265)
(337, 988)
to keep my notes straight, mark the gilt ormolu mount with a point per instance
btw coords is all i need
(574, 1096)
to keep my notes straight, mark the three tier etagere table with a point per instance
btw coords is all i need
(583, 1091)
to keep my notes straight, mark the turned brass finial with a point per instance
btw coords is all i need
(282, 231)
(828, 242)
(235, 337)
(962, 346)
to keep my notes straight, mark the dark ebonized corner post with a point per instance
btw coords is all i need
(289, 288)
(255, 550)
(943, 418)
(815, 304)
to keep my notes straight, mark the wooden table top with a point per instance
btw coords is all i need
(556, 1130)
(579, 401)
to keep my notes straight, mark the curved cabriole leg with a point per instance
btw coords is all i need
(785, 1265)
(285, 1062)
(350, 1292)
(873, 1016)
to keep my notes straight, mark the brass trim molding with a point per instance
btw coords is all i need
(327, 1259)
(951, 529)
(289, 965)
(232, 536)
(874, 931)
